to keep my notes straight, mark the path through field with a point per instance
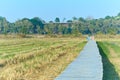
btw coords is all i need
(87, 66)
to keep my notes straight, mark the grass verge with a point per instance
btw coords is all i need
(109, 72)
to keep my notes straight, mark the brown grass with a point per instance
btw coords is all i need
(41, 64)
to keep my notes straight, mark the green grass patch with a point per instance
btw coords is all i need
(109, 69)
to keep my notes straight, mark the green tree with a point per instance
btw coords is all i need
(36, 21)
(38, 29)
(107, 17)
(6, 26)
(57, 20)
(118, 14)
(24, 26)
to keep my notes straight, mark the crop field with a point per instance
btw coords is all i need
(110, 51)
(37, 58)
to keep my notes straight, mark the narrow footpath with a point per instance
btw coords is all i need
(87, 66)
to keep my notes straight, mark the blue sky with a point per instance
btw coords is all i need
(50, 9)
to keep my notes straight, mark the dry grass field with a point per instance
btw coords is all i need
(36, 58)
(43, 58)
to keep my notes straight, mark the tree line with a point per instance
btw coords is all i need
(107, 25)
